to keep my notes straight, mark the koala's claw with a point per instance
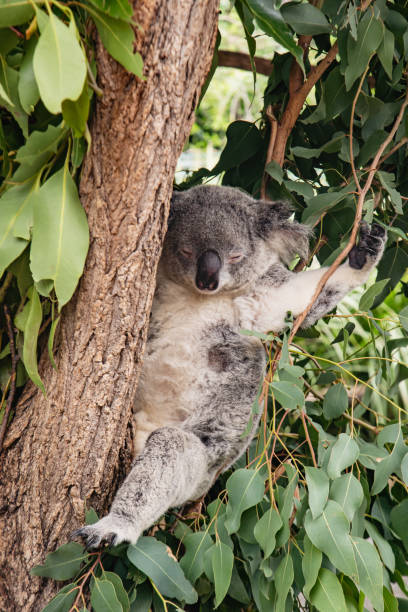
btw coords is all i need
(108, 531)
(370, 246)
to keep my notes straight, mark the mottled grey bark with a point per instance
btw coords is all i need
(75, 444)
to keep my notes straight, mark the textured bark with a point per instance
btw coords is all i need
(75, 444)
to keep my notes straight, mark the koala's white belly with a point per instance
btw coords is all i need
(173, 365)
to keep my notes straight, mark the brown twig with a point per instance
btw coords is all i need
(401, 143)
(272, 137)
(242, 61)
(5, 286)
(12, 390)
(309, 442)
(353, 110)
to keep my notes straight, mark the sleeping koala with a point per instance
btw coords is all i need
(222, 269)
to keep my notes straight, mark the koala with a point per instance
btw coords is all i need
(223, 268)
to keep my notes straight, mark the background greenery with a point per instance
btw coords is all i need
(314, 517)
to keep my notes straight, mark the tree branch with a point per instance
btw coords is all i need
(242, 61)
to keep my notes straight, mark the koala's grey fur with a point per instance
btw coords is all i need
(200, 375)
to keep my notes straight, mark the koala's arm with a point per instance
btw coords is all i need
(171, 470)
(296, 293)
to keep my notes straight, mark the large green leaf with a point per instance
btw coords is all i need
(103, 597)
(63, 563)
(367, 299)
(27, 85)
(16, 215)
(9, 94)
(399, 521)
(330, 534)
(118, 38)
(318, 488)
(384, 548)
(327, 593)
(386, 51)
(31, 317)
(348, 493)
(120, 9)
(369, 571)
(59, 222)
(63, 601)
(389, 464)
(305, 18)
(311, 564)
(266, 529)
(152, 558)
(245, 489)
(369, 37)
(335, 402)
(243, 141)
(59, 64)
(119, 589)
(283, 581)
(271, 22)
(39, 147)
(344, 453)
(196, 545)
(288, 394)
(222, 559)
(15, 12)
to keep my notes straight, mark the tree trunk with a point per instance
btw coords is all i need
(75, 444)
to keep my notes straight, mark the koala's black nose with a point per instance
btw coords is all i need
(208, 267)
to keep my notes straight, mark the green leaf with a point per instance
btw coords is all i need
(243, 141)
(152, 558)
(62, 564)
(384, 548)
(389, 464)
(275, 171)
(32, 323)
(322, 202)
(76, 113)
(283, 581)
(222, 560)
(271, 22)
(399, 521)
(59, 64)
(9, 88)
(27, 85)
(305, 19)
(266, 529)
(386, 51)
(64, 599)
(311, 563)
(318, 488)
(288, 394)
(40, 146)
(369, 571)
(367, 299)
(59, 222)
(404, 469)
(327, 593)
(103, 597)
(16, 214)
(335, 402)
(330, 534)
(393, 265)
(196, 545)
(344, 452)
(348, 493)
(285, 504)
(403, 317)
(387, 180)
(369, 37)
(120, 9)
(118, 38)
(119, 589)
(15, 12)
(245, 489)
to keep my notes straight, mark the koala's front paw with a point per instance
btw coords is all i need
(370, 246)
(110, 530)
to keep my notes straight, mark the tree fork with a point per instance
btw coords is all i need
(75, 444)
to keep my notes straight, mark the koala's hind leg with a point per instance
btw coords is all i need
(171, 470)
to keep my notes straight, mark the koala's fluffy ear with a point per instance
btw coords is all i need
(175, 202)
(289, 238)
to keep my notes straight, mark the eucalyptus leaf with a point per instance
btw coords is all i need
(318, 488)
(347, 491)
(327, 593)
(62, 564)
(344, 453)
(222, 559)
(305, 18)
(245, 489)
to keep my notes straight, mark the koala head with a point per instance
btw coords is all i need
(220, 239)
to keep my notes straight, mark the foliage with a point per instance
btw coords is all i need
(313, 517)
(47, 82)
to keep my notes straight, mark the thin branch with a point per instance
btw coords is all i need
(269, 154)
(309, 442)
(12, 390)
(353, 109)
(5, 286)
(242, 61)
(400, 144)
